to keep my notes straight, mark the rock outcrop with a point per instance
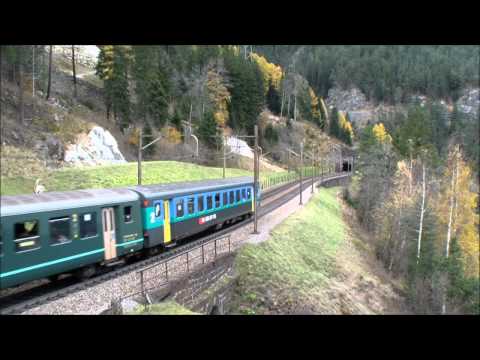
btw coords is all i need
(98, 147)
(354, 102)
(347, 100)
(469, 103)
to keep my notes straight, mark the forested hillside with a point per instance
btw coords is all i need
(416, 193)
(383, 72)
(164, 89)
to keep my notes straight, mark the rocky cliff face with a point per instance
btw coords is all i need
(98, 147)
(470, 102)
(355, 103)
(361, 111)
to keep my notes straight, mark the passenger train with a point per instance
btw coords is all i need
(45, 235)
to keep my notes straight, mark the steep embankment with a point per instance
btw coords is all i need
(314, 263)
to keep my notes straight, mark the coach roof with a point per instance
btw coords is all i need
(51, 201)
(184, 188)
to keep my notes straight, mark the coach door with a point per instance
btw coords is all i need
(167, 236)
(109, 240)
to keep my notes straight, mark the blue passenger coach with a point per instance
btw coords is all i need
(174, 211)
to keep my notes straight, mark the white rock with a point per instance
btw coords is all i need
(98, 147)
(128, 305)
(239, 146)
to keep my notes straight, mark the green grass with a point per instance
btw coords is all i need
(296, 260)
(164, 308)
(111, 176)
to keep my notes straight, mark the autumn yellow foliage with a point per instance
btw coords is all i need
(314, 103)
(324, 107)
(219, 96)
(133, 137)
(271, 73)
(172, 135)
(461, 202)
(381, 134)
(345, 124)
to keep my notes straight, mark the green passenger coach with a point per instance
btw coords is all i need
(52, 233)
(45, 235)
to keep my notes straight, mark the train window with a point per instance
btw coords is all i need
(225, 198)
(59, 230)
(26, 236)
(217, 200)
(191, 205)
(232, 197)
(200, 203)
(26, 229)
(88, 225)
(244, 194)
(237, 197)
(127, 214)
(1, 242)
(249, 193)
(209, 202)
(158, 210)
(179, 205)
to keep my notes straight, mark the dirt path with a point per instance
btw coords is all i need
(361, 284)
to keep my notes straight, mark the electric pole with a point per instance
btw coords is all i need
(140, 149)
(255, 181)
(288, 161)
(139, 158)
(321, 174)
(224, 155)
(301, 170)
(313, 167)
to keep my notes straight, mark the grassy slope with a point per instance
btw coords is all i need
(164, 308)
(288, 269)
(115, 176)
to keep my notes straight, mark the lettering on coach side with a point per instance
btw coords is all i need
(208, 218)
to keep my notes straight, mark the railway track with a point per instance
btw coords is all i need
(19, 302)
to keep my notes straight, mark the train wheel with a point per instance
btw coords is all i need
(53, 278)
(153, 251)
(86, 272)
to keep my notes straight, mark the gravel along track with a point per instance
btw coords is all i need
(94, 296)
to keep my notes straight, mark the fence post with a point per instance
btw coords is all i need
(188, 267)
(141, 283)
(166, 270)
(203, 254)
(215, 246)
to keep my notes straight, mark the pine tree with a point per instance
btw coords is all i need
(273, 100)
(334, 124)
(208, 130)
(120, 89)
(113, 68)
(247, 94)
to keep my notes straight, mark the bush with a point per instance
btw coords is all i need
(347, 196)
(271, 134)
